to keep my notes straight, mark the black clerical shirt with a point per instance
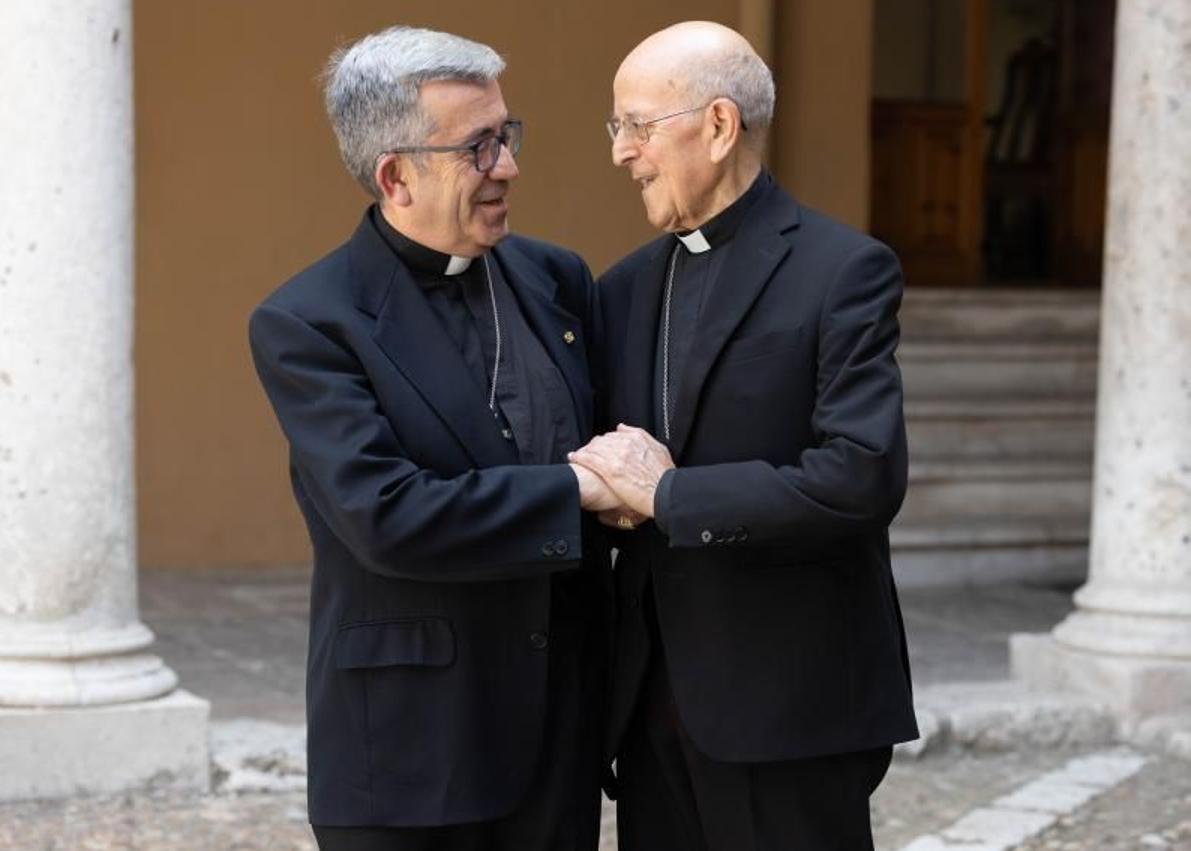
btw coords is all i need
(695, 273)
(533, 405)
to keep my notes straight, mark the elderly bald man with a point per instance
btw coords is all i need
(761, 675)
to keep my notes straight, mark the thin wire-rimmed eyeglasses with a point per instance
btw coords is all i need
(485, 152)
(639, 130)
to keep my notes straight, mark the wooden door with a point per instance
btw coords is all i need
(959, 212)
(927, 174)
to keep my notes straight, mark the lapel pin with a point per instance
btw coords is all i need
(569, 336)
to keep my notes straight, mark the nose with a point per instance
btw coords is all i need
(506, 166)
(624, 148)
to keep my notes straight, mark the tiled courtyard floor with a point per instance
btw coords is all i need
(237, 638)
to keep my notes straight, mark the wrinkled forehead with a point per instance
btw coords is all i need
(642, 88)
(460, 108)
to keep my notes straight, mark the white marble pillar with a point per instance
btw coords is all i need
(69, 629)
(1129, 640)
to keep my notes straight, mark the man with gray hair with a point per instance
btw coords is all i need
(430, 376)
(761, 676)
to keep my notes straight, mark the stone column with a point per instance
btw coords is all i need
(69, 631)
(1129, 641)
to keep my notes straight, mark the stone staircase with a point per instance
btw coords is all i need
(1000, 403)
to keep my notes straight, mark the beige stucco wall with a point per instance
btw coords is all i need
(239, 186)
(823, 64)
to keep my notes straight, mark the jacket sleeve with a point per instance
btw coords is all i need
(396, 518)
(853, 481)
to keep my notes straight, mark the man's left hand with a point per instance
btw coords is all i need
(630, 461)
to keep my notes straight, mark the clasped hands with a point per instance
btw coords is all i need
(618, 473)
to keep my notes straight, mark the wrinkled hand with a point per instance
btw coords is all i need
(630, 462)
(594, 493)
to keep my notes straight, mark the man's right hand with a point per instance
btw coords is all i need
(594, 493)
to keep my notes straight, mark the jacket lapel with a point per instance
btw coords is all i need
(409, 332)
(641, 339)
(535, 292)
(753, 256)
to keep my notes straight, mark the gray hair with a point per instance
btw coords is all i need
(371, 90)
(741, 76)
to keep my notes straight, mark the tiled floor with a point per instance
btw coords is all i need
(238, 638)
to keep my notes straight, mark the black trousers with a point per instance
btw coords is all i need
(672, 797)
(561, 810)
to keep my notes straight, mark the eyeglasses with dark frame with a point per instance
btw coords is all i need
(640, 130)
(485, 152)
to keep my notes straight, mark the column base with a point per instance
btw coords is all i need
(1133, 687)
(84, 682)
(58, 753)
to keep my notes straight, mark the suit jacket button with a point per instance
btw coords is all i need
(561, 547)
(633, 601)
(705, 536)
(538, 640)
(548, 549)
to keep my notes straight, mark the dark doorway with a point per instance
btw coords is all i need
(990, 139)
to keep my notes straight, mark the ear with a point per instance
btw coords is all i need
(725, 128)
(392, 177)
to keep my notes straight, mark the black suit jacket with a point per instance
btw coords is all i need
(433, 546)
(774, 594)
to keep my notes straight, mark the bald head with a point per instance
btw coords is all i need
(689, 41)
(705, 60)
(690, 106)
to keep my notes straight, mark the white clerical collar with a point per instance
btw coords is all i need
(458, 265)
(695, 241)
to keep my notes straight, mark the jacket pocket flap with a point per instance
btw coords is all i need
(408, 641)
(760, 345)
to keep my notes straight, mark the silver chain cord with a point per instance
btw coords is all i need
(666, 346)
(496, 322)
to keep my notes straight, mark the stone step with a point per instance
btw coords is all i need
(993, 428)
(986, 550)
(981, 368)
(950, 488)
(1000, 412)
(1051, 564)
(999, 470)
(988, 532)
(1000, 314)
(1008, 715)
